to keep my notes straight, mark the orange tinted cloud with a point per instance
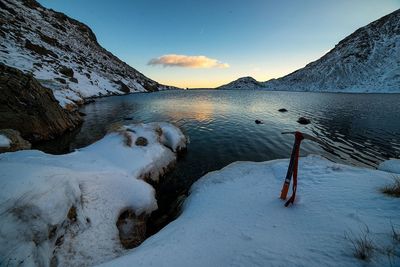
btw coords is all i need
(173, 60)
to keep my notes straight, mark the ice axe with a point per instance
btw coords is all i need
(293, 165)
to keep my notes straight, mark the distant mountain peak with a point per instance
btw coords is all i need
(244, 83)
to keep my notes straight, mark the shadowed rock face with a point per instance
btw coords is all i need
(30, 108)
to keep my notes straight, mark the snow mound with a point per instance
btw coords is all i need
(234, 217)
(391, 165)
(62, 209)
(4, 141)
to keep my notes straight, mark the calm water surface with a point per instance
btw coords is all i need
(363, 129)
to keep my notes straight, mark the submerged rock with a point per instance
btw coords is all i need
(30, 108)
(303, 120)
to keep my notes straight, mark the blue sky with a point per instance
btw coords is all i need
(260, 38)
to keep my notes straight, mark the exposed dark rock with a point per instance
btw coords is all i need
(141, 141)
(74, 80)
(82, 114)
(30, 108)
(49, 40)
(66, 71)
(39, 49)
(132, 228)
(303, 120)
(282, 110)
(72, 215)
(258, 122)
(124, 88)
(61, 80)
(17, 142)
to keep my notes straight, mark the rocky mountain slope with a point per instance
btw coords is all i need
(366, 61)
(245, 83)
(63, 54)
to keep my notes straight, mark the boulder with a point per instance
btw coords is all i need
(131, 228)
(66, 71)
(30, 108)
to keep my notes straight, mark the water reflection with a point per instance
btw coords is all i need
(362, 129)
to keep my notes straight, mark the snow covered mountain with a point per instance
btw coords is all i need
(366, 61)
(63, 54)
(245, 83)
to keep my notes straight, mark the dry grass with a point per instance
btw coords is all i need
(363, 246)
(392, 189)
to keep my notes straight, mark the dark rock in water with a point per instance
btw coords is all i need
(282, 110)
(30, 108)
(82, 114)
(141, 141)
(303, 120)
(128, 118)
(74, 80)
(258, 122)
(17, 142)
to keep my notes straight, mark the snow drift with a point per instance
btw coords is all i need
(62, 210)
(234, 217)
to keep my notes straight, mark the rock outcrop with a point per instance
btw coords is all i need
(30, 108)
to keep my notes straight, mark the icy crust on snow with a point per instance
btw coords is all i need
(99, 181)
(4, 141)
(234, 217)
(65, 43)
(390, 165)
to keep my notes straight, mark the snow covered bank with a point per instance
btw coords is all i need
(391, 165)
(233, 217)
(63, 209)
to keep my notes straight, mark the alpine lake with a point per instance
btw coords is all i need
(357, 129)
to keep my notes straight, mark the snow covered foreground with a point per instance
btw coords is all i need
(233, 217)
(63, 208)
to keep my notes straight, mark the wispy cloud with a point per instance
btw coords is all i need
(173, 60)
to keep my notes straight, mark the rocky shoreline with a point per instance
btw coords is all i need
(31, 109)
